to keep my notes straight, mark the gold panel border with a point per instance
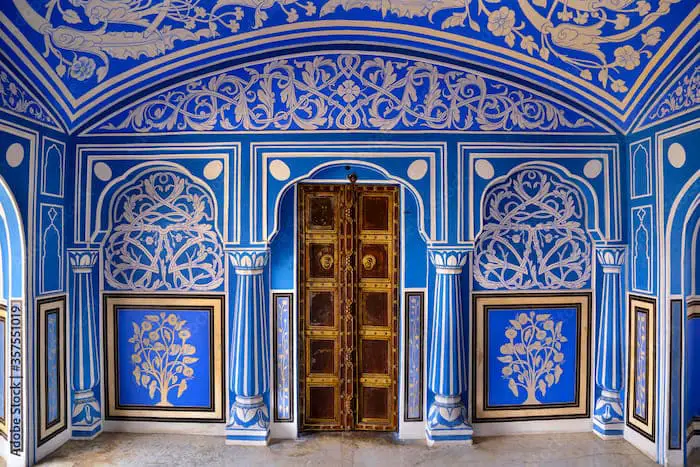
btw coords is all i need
(581, 409)
(214, 303)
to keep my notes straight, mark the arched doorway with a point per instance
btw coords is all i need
(408, 304)
(12, 306)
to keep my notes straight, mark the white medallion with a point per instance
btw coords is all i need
(417, 169)
(279, 170)
(15, 155)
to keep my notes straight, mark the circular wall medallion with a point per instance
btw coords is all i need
(676, 155)
(484, 169)
(213, 169)
(15, 155)
(102, 171)
(279, 170)
(417, 169)
(592, 168)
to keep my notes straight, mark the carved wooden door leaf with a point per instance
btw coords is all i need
(348, 299)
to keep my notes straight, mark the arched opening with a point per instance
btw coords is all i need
(12, 306)
(287, 307)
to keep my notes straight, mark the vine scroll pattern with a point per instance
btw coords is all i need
(533, 235)
(347, 92)
(163, 237)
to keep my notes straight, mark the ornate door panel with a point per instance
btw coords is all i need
(378, 268)
(348, 278)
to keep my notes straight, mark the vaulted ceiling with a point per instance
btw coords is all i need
(605, 56)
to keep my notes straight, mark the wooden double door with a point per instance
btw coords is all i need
(348, 303)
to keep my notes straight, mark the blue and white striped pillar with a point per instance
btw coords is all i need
(447, 366)
(249, 421)
(608, 419)
(85, 368)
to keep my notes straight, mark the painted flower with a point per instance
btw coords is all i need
(82, 68)
(501, 21)
(510, 334)
(184, 334)
(172, 319)
(188, 371)
(643, 8)
(349, 91)
(652, 36)
(618, 86)
(627, 57)
(507, 371)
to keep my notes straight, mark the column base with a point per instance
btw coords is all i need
(249, 422)
(87, 421)
(447, 422)
(608, 422)
(86, 432)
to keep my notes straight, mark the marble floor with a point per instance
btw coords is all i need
(354, 449)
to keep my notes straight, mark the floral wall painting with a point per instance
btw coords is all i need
(51, 364)
(641, 361)
(532, 356)
(164, 357)
(533, 235)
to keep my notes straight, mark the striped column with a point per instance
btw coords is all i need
(608, 421)
(249, 421)
(447, 366)
(85, 368)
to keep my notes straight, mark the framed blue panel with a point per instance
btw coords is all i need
(52, 403)
(413, 330)
(641, 364)
(51, 241)
(164, 357)
(536, 359)
(675, 429)
(282, 310)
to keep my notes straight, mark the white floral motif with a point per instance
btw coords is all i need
(315, 93)
(16, 99)
(163, 237)
(580, 36)
(684, 95)
(532, 235)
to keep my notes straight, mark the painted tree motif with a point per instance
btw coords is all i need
(533, 355)
(162, 356)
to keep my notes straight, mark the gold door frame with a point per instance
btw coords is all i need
(347, 378)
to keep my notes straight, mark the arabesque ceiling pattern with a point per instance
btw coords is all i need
(605, 54)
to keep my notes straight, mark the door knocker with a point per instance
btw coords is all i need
(327, 261)
(369, 261)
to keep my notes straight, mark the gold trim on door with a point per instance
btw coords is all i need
(348, 307)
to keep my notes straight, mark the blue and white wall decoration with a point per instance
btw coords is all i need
(641, 360)
(536, 361)
(163, 236)
(164, 357)
(52, 402)
(346, 92)
(284, 351)
(413, 332)
(533, 234)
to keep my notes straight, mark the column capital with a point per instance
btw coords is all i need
(83, 260)
(449, 259)
(611, 257)
(249, 261)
